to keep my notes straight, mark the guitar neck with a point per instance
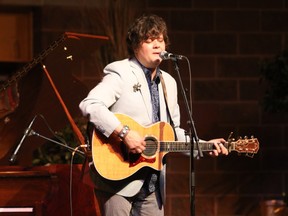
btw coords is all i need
(176, 146)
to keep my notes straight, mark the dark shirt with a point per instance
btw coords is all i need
(153, 86)
(151, 183)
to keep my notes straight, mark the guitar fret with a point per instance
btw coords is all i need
(209, 146)
(175, 146)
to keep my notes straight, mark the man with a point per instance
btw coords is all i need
(135, 87)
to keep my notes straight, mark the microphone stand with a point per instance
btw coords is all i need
(193, 136)
(32, 132)
(26, 133)
(29, 131)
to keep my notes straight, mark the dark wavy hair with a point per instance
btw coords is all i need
(146, 26)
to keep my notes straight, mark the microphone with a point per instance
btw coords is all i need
(166, 55)
(26, 133)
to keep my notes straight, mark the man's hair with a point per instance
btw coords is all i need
(146, 26)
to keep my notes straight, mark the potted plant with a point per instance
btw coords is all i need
(275, 75)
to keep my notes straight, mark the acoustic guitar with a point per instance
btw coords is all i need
(113, 161)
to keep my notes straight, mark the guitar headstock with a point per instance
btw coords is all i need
(248, 146)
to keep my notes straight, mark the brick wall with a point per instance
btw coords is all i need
(225, 41)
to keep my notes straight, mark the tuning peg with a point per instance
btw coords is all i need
(251, 155)
(245, 137)
(230, 136)
(252, 137)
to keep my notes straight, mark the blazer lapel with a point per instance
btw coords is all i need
(144, 89)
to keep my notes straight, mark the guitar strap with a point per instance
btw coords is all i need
(167, 107)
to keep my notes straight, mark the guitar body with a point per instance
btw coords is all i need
(110, 156)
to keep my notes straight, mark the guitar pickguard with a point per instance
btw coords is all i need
(135, 159)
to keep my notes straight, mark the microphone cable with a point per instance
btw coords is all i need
(71, 178)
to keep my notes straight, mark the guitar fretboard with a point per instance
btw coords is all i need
(175, 146)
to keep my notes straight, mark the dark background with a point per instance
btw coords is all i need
(226, 42)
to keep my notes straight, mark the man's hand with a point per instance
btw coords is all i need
(134, 142)
(219, 147)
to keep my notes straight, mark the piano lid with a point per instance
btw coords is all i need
(29, 93)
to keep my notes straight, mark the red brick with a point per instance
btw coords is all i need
(215, 44)
(285, 138)
(243, 113)
(262, 4)
(215, 90)
(279, 118)
(169, 4)
(260, 43)
(215, 4)
(275, 160)
(239, 162)
(181, 43)
(239, 21)
(203, 66)
(249, 90)
(192, 21)
(238, 67)
(274, 21)
(269, 136)
(207, 123)
(64, 18)
(285, 42)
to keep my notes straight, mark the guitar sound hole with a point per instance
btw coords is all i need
(151, 146)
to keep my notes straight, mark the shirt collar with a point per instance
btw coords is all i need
(147, 72)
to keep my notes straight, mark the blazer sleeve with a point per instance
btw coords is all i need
(96, 105)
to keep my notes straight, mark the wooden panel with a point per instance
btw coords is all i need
(47, 190)
(16, 36)
(20, 188)
(82, 191)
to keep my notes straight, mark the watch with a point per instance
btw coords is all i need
(124, 131)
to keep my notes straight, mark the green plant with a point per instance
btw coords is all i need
(275, 75)
(51, 153)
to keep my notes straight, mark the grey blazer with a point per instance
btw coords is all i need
(116, 93)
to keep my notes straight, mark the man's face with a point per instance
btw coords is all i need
(149, 50)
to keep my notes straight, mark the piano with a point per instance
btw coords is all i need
(47, 90)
